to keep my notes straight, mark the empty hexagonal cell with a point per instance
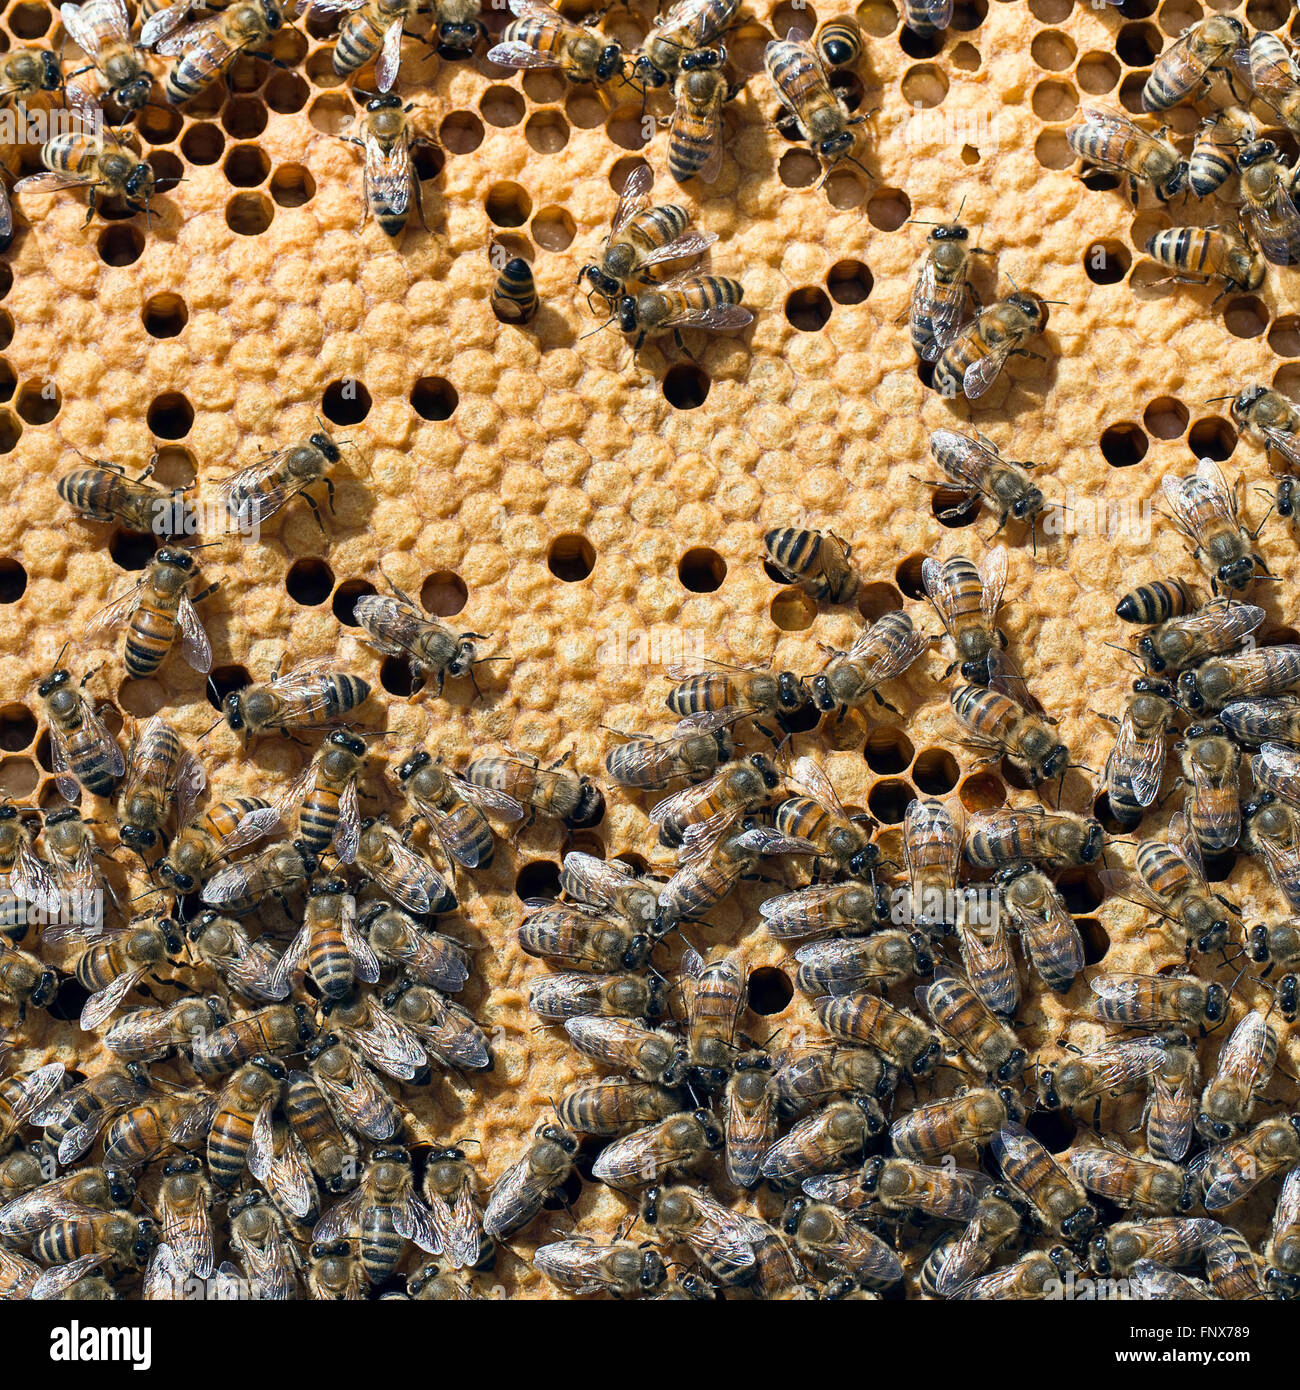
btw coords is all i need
(965, 57)
(793, 14)
(935, 771)
(501, 106)
(844, 189)
(141, 698)
(982, 791)
(29, 20)
(924, 85)
(249, 214)
(888, 801)
(1212, 438)
(1287, 380)
(292, 185)
(8, 381)
(798, 169)
(1165, 418)
(887, 750)
(309, 581)
(769, 990)
(6, 328)
(1097, 73)
(547, 132)
(345, 599)
(18, 777)
(39, 402)
(571, 557)
(346, 402)
(1130, 94)
(701, 570)
(875, 600)
(246, 166)
(1268, 14)
(1053, 50)
(13, 580)
(320, 69)
(629, 127)
(1138, 44)
(1106, 262)
(443, 594)
(508, 205)
(908, 576)
(132, 550)
(332, 113)
(1284, 336)
(432, 398)
(553, 229)
(170, 415)
(879, 18)
(168, 170)
(849, 282)
(1050, 11)
(120, 244)
(1245, 316)
(244, 118)
(164, 315)
(159, 125)
(286, 92)
(917, 45)
(584, 109)
(888, 209)
(1052, 150)
(1053, 100)
(792, 610)
(10, 432)
(686, 386)
(223, 681)
(538, 879)
(808, 309)
(544, 85)
(1177, 15)
(6, 279)
(203, 144)
(17, 728)
(1123, 445)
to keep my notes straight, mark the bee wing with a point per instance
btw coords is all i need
(159, 25)
(1185, 497)
(1282, 765)
(513, 54)
(37, 1088)
(261, 1147)
(347, 834)
(683, 802)
(887, 662)
(1118, 1067)
(1230, 1174)
(190, 782)
(194, 1121)
(100, 1006)
(20, 1275)
(202, 36)
(489, 799)
(981, 374)
(717, 318)
(929, 823)
(388, 172)
(56, 1281)
(991, 967)
(30, 880)
(766, 839)
(993, 576)
(1287, 1212)
(633, 198)
(458, 1228)
(750, 1130)
(725, 1239)
(1245, 1057)
(944, 309)
(1274, 224)
(811, 777)
(261, 500)
(1222, 812)
(409, 878)
(390, 57)
(278, 982)
(939, 592)
(692, 243)
(595, 881)
(114, 614)
(364, 960)
(189, 1233)
(1286, 444)
(636, 1157)
(1223, 625)
(510, 1203)
(270, 1270)
(45, 183)
(289, 1179)
(195, 647)
(390, 1047)
(324, 7)
(252, 826)
(343, 1218)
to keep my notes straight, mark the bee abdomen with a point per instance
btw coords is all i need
(359, 40)
(514, 295)
(148, 640)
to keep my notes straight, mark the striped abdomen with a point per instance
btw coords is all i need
(514, 295)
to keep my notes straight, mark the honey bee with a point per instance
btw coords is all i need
(24, 1097)
(521, 1191)
(428, 956)
(722, 1240)
(1270, 419)
(976, 468)
(967, 600)
(1213, 630)
(800, 80)
(1054, 839)
(1141, 1184)
(688, 26)
(1212, 162)
(1109, 140)
(882, 652)
(999, 1218)
(1205, 510)
(24, 878)
(1050, 939)
(384, 857)
(26, 71)
(395, 627)
(276, 870)
(1156, 1283)
(582, 1266)
(581, 939)
(679, 1141)
(1034, 1276)
(900, 1037)
(1261, 671)
(1273, 77)
(1159, 601)
(258, 1236)
(1232, 1268)
(451, 1036)
(695, 128)
(155, 611)
(21, 1170)
(839, 42)
(326, 796)
(715, 857)
(1212, 44)
(1279, 947)
(335, 1272)
(963, 1121)
(1055, 1194)
(1282, 1274)
(241, 1128)
(139, 1135)
(647, 1054)
(102, 30)
(642, 237)
(389, 183)
(1267, 207)
(353, 1095)
(975, 357)
(382, 1215)
(82, 751)
(1117, 1069)
(819, 562)
(846, 964)
(1155, 1001)
(938, 301)
(810, 1076)
(540, 37)
(819, 816)
(610, 887)
(614, 1105)
(185, 1207)
(271, 1031)
(162, 775)
(1235, 1169)
(932, 851)
(514, 292)
(206, 49)
(1241, 1075)
(25, 981)
(1008, 729)
(1172, 1104)
(123, 1240)
(959, 1012)
(555, 790)
(736, 789)
(72, 1120)
(1135, 765)
(899, 1186)
(833, 1243)
(451, 805)
(1271, 830)
(99, 1189)
(1202, 254)
(373, 1026)
(710, 302)
(749, 1117)
(221, 831)
(458, 27)
(329, 946)
(74, 159)
(255, 493)
(715, 999)
(103, 492)
(449, 1192)
(823, 908)
(114, 965)
(572, 994)
(1211, 763)
(371, 27)
(330, 1149)
(429, 1283)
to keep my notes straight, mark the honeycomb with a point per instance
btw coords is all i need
(599, 512)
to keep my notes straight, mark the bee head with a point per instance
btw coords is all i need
(1013, 1066)
(590, 807)
(771, 777)
(866, 859)
(395, 992)
(138, 838)
(1047, 1091)
(1056, 762)
(139, 184)
(47, 987)
(1259, 952)
(135, 93)
(871, 1170)
(603, 284)
(650, 1204)
(1215, 938)
(1247, 401)
(270, 1066)
(1216, 1003)
(53, 682)
(330, 887)
(1189, 693)
(835, 145)
(146, 1238)
(1142, 686)
(925, 1062)
(976, 671)
(794, 1209)
(272, 14)
(1256, 153)
(920, 944)
(340, 738)
(1011, 1101)
(609, 62)
(324, 443)
(1029, 504)
(387, 102)
(821, 690)
(457, 39)
(412, 765)
(52, 73)
(232, 708)
(181, 882)
(701, 58)
(791, 694)
(321, 1044)
(182, 559)
(1176, 181)
(627, 314)
(950, 231)
(121, 1186)
(10, 812)
(1032, 307)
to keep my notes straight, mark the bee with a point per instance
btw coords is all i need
(709, 302)
(451, 804)
(1267, 207)
(882, 652)
(430, 1284)
(384, 857)
(932, 851)
(1261, 671)
(1279, 947)
(155, 611)
(1142, 1184)
(24, 1097)
(679, 1141)
(221, 831)
(329, 945)
(75, 159)
(1054, 1193)
(961, 1122)
(715, 999)
(1241, 1075)
(1117, 1069)
(258, 1236)
(72, 1121)
(1211, 764)
(335, 1273)
(103, 492)
(846, 964)
(1213, 630)
(308, 697)
(102, 29)
(541, 37)
(114, 965)
(427, 956)
(1236, 1168)
(695, 128)
(382, 1215)
(514, 292)
(254, 494)
(24, 878)
(900, 1186)
(714, 859)
(809, 1076)
(1010, 730)
(371, 27)
(1156, 1283)
(354, 1096)
(185, 1206)
(1270, 419)
(1109, 140)
(614, 1105)
(582, 1266)
(687, 27)
(648, 1054)
(1206, 510)
(82, 751)
(458, 27)
(326, 793)
(967, 600)
(938, 300)
(1172, 1104)
(1159, 601)
(521, 1191)
(25, 981)
(839, 42)
(278, 869)
(395, 627)
(449, 1192)
(736, 789)
(98, 1189)
(26, 71)
(206, 50)
(1054, 839)
(823, 908)
(610, 887)
(1282, 1252)
(1155, 1001)
(389, 183)
(749, 1117)
(642, 237)
(1273, 77)
(241, 1128)
(1036, 1275)
(139, 1135)
(330, 1149)
(1202, 254)
(370, 1024)
(817, 561)
(900, 1037)
(1135, 765)
(123, 1240)
(959, 1012)
(800, 80)
(1050, 939)
(271, 1031)
(1212, 162)
(1271, 830)
(20, 1171)
(1216, 43)
(1232, 1268)
(582, 939)
(572, 994)
(999, 1218)
(724, 1241)
(819, 816)
(447, 1031)
(976, 468)
(974, 359)
(555, 790)
(161, 775)
(833, 1243)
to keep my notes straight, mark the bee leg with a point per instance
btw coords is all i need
(880, 700)
(206, 593)
(315, 510)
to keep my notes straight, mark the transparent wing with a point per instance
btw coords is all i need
(261, 498)
(202, 36)
(390, 57)
(513, 54)
(1247, 1055)
(159, 25)
(99, 1007)
(364, 960)
(290, 1181)
(195, 647)
(388, 173)
(411, 1219)
(489, 799)
(55, 1282)
(390, 1047)
(993, 576)
(342, 1219)
(189, 1233)
(261, 1148)
(1282, 767)
(253, 826)
(347, 834)
(812, 778)
(1195, 501)
(1286, 444)
(633, 198)
(980, 375)
(114, 614)
(278, 983)
(941, 305)
(270, 1270)
(692, 243)
(190, 782)
(31, 880)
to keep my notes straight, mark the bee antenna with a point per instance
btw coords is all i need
(599, 327)
(1210, 400)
